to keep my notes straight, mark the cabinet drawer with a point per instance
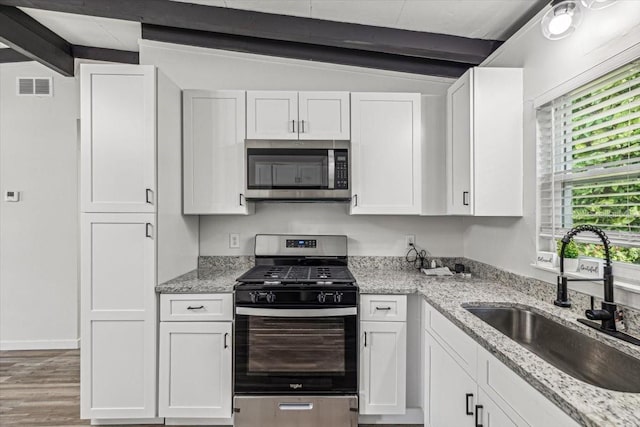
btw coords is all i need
(192, 307)
(460, 345)
(388, 308)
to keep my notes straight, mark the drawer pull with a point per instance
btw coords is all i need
(200, 307)
(387, 308)
(468, 411)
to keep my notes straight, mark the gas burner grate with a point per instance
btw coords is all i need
(297, 274)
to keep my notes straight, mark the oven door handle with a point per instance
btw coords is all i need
(297, 312)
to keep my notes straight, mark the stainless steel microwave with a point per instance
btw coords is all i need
(298, 171)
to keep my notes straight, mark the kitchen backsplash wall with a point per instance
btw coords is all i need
(368, 235)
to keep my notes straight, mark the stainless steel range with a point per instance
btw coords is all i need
(296, 333)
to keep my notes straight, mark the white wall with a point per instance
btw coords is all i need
(197, 68)
(605, 40)
(38, 235)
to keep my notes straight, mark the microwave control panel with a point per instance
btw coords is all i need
(342, 170)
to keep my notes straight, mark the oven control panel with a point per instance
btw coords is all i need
(306, 243)
(311, 296)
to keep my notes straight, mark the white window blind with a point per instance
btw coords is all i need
(589, 159)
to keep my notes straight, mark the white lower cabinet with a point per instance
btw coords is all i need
(489, 395)
(383, 362)
(451, 391)
(118, 273)
(195, 375)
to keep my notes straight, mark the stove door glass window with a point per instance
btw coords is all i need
(287, 169)
(305, 346)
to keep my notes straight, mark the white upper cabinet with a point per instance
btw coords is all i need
(386, 150)
(279, 115)
(323, 115)
(213, 151)
(272, 115)
(118, 107)
(484, 143)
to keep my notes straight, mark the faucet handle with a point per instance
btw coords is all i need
(597, 314)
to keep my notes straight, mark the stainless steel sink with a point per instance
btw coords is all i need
(578, 355)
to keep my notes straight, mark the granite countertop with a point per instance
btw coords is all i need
(203, 280)
(588, 405)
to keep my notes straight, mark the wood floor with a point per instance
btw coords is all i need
(42, 388)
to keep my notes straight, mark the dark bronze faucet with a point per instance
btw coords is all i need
(607, 314)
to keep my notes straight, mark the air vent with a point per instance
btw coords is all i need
(34, 86)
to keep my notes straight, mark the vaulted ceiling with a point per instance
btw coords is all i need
(436, 37)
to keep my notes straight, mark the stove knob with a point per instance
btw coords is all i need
(337, 297)
(271, 297)
(253, 296)
(321, 297)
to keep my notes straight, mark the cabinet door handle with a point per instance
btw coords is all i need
(293, 126)
(241, 197)
(226, 334)
(468, 411)
(147, 230)
(465, 198)
(149, 196)
(200, 307)
(479, 415)
(387, 308)
(365, 339)
(302, 127)
(355, 200)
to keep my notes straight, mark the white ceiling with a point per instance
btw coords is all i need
(90, 31)
(485, 19)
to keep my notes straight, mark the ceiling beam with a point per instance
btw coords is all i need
(309, 52)
(278, 27)
(10, 55)
(103, 54)
(28, 37)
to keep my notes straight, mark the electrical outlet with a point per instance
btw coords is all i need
(410, 240)
(234, 240)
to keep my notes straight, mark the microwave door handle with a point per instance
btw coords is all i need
(332, 169)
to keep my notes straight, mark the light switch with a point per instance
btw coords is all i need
(12, 196)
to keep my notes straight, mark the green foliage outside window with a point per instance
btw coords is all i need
(611, 203)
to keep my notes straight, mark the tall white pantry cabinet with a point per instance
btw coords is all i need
(133, 233)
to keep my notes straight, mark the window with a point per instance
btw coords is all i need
(589, 164)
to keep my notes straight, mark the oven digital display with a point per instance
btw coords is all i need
(301, 243)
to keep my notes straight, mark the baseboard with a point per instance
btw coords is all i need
(40, 345)
(411, 416)
(198, 421)
(123, 421)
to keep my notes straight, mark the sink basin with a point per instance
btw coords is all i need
(576, 354)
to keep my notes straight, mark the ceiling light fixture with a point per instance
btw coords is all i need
(597, 4)
(562, 19)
